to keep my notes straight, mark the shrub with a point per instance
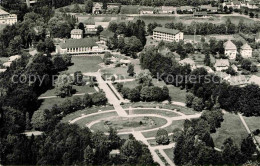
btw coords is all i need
(162, 137)
(99, 99)
(189, 99)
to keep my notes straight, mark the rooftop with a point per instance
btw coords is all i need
(187, 61)
(2, 12)
(221, 62)
(254, 80)
(76, 43)
(166, 30)
(238, 80)
(246, 47)
(230, 45)
(77, 31)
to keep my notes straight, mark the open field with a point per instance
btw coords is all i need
(129, 9)
(252, 122)
(177, 94)
(48, 103)
(230, 127)
(86, 112)
(157, 112)
(84, 121)
(169, 153)
(85, 64)
(129, 124)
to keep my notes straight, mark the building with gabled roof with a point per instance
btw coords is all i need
(165, 34)
(76, 34)
(78, 46)
(97, 8)
(230, 49)
(240, 80)
(167, 10)
(221, 64)
(254, 80)
(246, 51)
(146, 10)
(7, 18)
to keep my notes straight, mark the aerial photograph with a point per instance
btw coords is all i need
(130, 82)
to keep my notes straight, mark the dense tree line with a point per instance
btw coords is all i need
(195, 146)
(206, 86)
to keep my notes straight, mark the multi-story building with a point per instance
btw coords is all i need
(170, 35)
(79, 46)
(246, 51)
(230, 49)
(7, 18)
(76, 34)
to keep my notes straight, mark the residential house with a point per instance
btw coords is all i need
(146, 10)
(76, 34)
(254, 80)
(208, 8)
(188, 61)
(7, 18)
(233, 4)
(221, 64)
(252, 5)
(246, 51)
(240, 80)
(11, 59)
(165, 34)
(230, 49)
(90, 30)
(113, 5)
(167, 10)
(97, 8)
(79, 46)
(186, 8)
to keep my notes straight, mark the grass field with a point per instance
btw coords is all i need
(177, 94)
(252, 122)
(157, 112)
(84, 121)
(86, 112)
(48, 103)
(169, 153)
(230, 127)
(129, 9)
(85, 64)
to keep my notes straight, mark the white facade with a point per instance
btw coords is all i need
(246, 51)
(80, 50)
(7, 18)
(76, 34)
(169, 36)
(221, 64)
(230, 50)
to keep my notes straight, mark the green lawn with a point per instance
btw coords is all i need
(175, 124)
(177, 94)
(157, 112)
(169, 153)
(129, 9)
(130, 84)
(85, 64)
(48, 103)
(84, 121)
(230, 127)
(252, 122)
(78, 89)
(86, 112)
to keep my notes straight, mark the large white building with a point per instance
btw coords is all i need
(7, 18)
(79, 46)
(76, 34)
(230, 49)
(246, 51)
(166, 34)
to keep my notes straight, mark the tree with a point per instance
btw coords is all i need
(253, 68)
(76, 103)
(165, 91)
(88, 6)
(162, 137)
(119, 87)
(114, 139)
(28, 122)
(99, 99)
(248, 147)
(87, 100)
(131, 150)
(207, 60)
(231, 71)
(99, 29)
(246, 64)
(89, 156)
(189, 99)
(59, 63)
(130, 70)
(63, 86)
(134, 95)
(121, 28)
(197, 104)
(39, 119)
(15, 46)
(78, 78)
(82, 27)
(112, 27)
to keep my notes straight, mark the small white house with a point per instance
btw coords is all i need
(221, 64)
(246, 51)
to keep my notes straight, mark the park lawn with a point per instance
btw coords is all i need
(175, 124)
(152, 142)
(129, 9)
(230, 127)
(152, 111)
(86, 111)
(158, 19)
(130, 84)
(48, 103)
(78, 89)
(86, 120)
(84, 64)
(169, 153)
(177, 94)
(252, 122)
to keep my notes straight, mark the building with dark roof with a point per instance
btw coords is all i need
(79, 46)
(170, 35)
